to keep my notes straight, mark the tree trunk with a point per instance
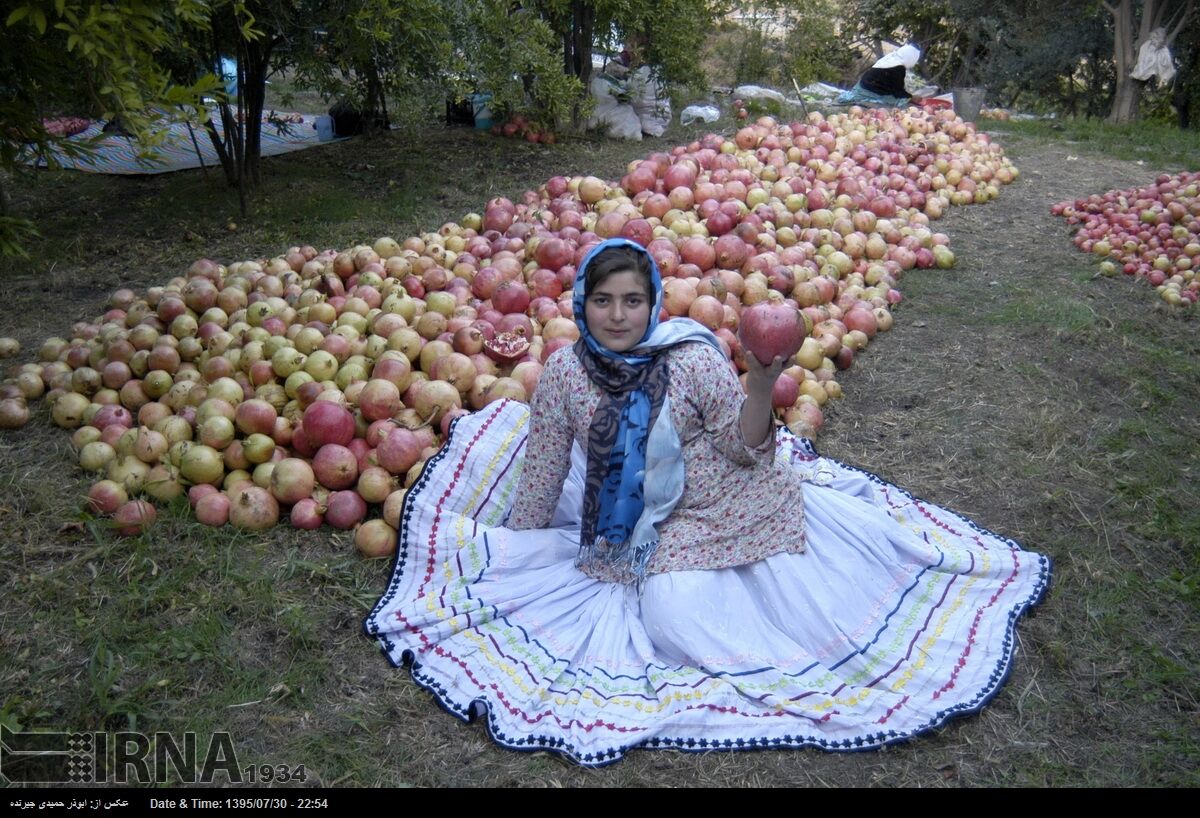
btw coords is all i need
(1127, 100)
(1124, 100)
(1132, 25)
(568, 51)
(239, 143)
(5, 199)
(583, 19)
(376, 107)
(1181, 97)
(218, 143)
(220, 139)
(965, 75)
(258, 55)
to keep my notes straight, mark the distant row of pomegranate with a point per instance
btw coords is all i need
(1151, 232)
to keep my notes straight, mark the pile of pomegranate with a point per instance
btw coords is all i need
(519, 127)
(1152, 233)
(314, 385)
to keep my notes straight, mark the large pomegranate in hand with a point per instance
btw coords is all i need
(772, 329)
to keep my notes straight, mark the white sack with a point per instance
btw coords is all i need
(618, 120)
(757, 92)
(650, 101)
(704, 113)
(1154, 59)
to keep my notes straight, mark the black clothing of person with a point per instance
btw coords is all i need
(885, 81)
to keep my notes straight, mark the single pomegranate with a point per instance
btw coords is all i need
(399, 451)
(106, 497)
(213, 509)
(375, 538)
(326, 422)
(346, 509)
(292, 480)
(392, 507)
(308, 514)
(134, 517)
(253, 508)
(506, 347)
(770, 330)
(379, 399)
(335, 467)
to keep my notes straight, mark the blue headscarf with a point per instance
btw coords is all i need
(635, 463)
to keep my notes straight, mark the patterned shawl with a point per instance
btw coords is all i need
(635, 461)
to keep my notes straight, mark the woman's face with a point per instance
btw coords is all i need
(617, 311)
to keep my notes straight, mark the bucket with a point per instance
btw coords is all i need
(324, 126)
(481, 105)
(968, 102)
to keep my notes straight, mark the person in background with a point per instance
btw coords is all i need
(883, 82)
(886, 76)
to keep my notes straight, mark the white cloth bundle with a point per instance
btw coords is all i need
(906, 55)
(1154, 59)
(650, 101)
(618, 119)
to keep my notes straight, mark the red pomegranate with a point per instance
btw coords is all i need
(771, 330)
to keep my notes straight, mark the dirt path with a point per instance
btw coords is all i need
(1002, 392)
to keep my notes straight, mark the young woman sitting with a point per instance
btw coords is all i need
(639, 560)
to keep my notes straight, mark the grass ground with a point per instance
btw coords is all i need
(1158, 143)
(1041, 401)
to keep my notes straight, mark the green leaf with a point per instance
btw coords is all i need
(39, 20)
(18, 14)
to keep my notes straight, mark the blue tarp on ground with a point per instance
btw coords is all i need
(860, 96)
(119, 154)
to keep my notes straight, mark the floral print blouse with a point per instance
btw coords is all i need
(737, 507)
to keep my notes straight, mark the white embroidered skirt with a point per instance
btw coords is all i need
(900, 615)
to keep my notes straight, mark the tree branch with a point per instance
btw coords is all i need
(1154, 18)
(936, 78)
(1185, 15)
(1121, 37)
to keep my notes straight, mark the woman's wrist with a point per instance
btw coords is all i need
(760, 378)
(756, 418)
(759, 383)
